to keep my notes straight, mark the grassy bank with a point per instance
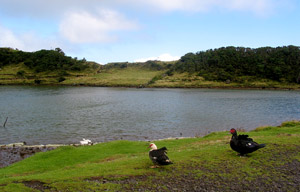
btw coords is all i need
(183, 80)
(133, 75)
(205, 163)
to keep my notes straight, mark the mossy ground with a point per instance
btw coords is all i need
(200, 164)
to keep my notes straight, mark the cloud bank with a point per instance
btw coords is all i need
(258, 7)
(58, 7)
(27, 41)
(9, 39)
(84, 27)
(93, 21)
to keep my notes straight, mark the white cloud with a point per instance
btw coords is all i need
(27, 41)
(182, 5)
(258, 7)
(9, 39)
(84, 27)
(56, 8)
(162, 57)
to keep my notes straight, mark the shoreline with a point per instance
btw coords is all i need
(200, 164)
(15, 152)
(158, 87)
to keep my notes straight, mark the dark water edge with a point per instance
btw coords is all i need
(241, 86)
(13, 153)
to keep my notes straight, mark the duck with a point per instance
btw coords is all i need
(243, 144)
(86, 142)
(158, 156)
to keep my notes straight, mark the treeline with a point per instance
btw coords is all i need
(231, 63)
(223, 64)
(43, 60)
(151, 64)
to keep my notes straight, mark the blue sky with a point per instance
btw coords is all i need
(138, 30)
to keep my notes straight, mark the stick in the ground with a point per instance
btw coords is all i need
(5, 122)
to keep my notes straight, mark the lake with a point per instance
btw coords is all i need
(44, 115)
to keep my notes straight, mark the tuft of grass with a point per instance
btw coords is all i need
(290, 124)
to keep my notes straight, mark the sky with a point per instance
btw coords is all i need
(107, 31)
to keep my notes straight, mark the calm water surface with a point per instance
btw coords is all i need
(42, 115)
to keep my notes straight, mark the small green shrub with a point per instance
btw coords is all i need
(21, 73)
(37, 81)
(290, 123)
(61, 79)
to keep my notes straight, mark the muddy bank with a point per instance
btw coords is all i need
(12, 153)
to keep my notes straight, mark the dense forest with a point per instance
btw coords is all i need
(43, 60)
(230, 63)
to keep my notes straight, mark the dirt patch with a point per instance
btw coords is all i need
(192, 182)
(283, 175)
(38, 185)
(119, 180)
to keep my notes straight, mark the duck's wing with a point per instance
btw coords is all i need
(249, 144)
(160, 156)
(244, 137)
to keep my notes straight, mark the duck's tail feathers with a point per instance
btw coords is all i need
(262, 145)
(169, 162)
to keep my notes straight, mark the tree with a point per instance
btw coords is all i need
(59, 50)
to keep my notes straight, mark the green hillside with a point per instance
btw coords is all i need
(52, 67)
(227, 67)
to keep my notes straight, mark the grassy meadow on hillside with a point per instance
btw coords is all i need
(205, 163)
(132, 76)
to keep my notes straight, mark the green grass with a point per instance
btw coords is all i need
(132, 76)
(83, 168)
(8, 75)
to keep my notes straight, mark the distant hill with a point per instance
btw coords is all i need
(53, 67)
(43, 60)
(225, 67)
(230, 63)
